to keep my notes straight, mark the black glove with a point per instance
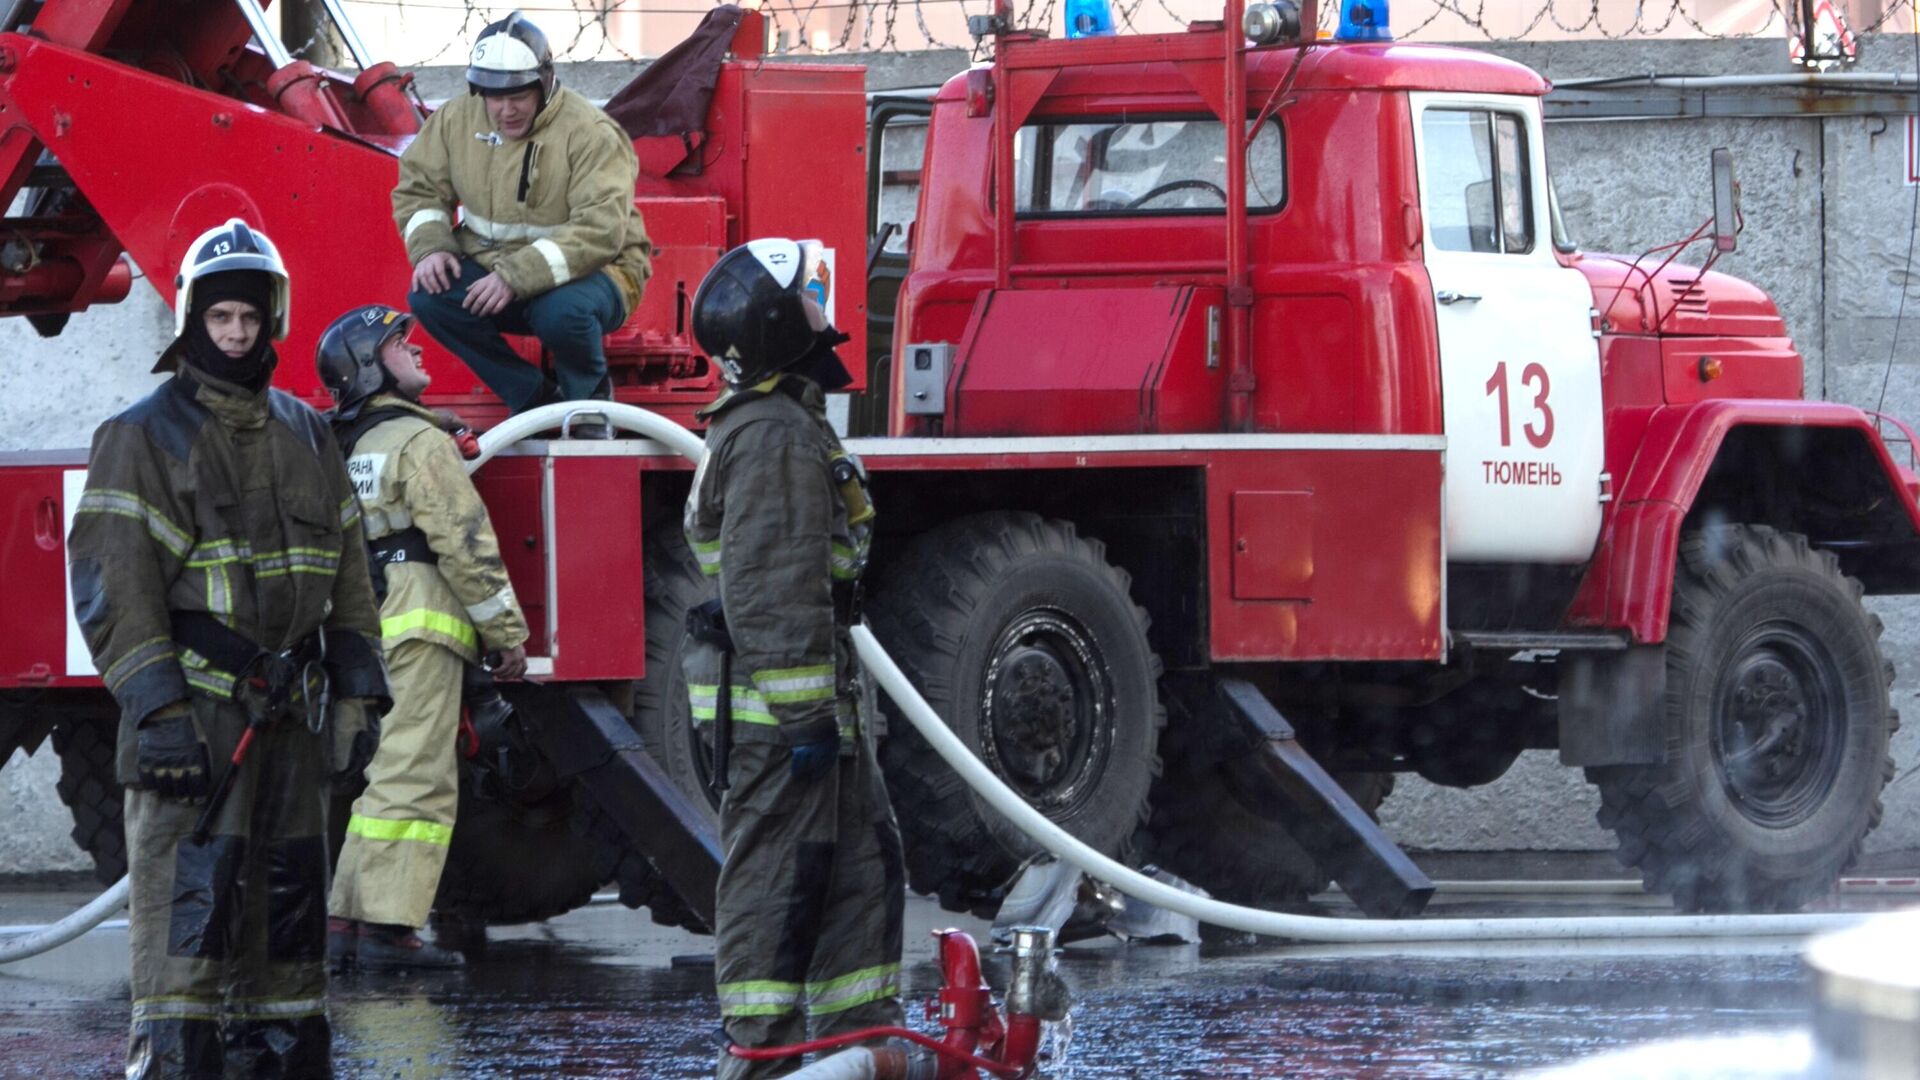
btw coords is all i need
(813, 760)
(365, 739)
(171, 758)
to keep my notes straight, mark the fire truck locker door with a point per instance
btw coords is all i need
(1519, 367)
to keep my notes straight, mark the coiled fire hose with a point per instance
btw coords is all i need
(1053, 838)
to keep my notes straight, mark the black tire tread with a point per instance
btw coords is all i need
(1649, 809)
(86, 741)
(950, 851)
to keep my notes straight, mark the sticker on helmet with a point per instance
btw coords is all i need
(819, 278)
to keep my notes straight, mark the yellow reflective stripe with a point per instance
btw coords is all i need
(177, 1007)
(707, 553)
(748, 706)
(786, 686)
(298, 560)
(426, 832)
(349, 511)
(846, 562)
(276, 1008)
(217, 552)
(142, 656)
(201, 674)
(439, 622)
(854, 988)
(760, 997)
(127, 504)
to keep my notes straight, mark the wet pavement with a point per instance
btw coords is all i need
(604, 993)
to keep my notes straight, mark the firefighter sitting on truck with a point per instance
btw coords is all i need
(812, 888)
(548, 241)
(446, 595)
(220, 577)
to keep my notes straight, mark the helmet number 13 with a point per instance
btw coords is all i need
(1534, 378)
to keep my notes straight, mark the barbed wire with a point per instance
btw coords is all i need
(630, 30)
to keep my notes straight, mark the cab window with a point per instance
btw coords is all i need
(1123, 167)
(1479, 189)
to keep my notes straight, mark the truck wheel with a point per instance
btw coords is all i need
(1777, 727)
(85, 742)
(1025, 640)
(661, 714)
(516, 864)
(1201, 832)
(1473, 735)
(660, 708)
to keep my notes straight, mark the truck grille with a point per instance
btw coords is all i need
(1688, 296)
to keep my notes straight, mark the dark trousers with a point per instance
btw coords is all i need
(811, 899)
(570, 321)
(228, 936)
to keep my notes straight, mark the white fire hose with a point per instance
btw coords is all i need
(1052, 837)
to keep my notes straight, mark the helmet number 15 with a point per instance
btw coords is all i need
(1534, 378)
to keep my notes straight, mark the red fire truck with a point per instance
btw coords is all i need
(1318, 401)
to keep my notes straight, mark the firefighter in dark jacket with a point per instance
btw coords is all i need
(220, 578)
(812, 889)
(446, 597)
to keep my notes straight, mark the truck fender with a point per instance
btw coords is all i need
(1743, 461)
(1708, 444)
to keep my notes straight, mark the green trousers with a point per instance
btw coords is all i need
(811, 898)
(228, 936)
(397, 837)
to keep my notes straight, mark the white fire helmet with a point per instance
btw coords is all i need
(232, 246)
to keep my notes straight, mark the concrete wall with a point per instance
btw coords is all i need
(1827, 224)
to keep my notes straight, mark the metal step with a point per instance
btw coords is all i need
(1527, 640)
(586, 738)
(1293, 791)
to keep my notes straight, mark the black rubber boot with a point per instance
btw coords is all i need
(548, 395)
(343, 944)
(398, 948)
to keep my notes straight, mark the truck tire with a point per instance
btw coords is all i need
(1201, 832)
(660, 710)
(516, 864)
(1777, 729)
(1026, 641)
(86, 745)
(595, 849)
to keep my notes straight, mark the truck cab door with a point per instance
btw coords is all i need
(1519, 365)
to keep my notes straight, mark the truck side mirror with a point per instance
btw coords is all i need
(1726, 201)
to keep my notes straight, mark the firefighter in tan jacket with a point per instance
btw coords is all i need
(547, 241)
(446, 601)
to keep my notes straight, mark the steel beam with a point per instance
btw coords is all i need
(586, 738)
(1275, 777)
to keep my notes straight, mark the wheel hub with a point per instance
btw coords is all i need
(1779, 723)
(1035, 697)
(1045, 709)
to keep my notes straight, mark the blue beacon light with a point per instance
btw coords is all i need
(1089, 18)
(1363, 20)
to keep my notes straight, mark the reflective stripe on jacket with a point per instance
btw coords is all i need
(540, 211)
(409, 475)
